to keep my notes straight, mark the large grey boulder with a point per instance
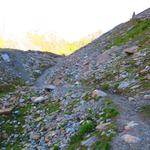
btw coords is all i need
(5, 57)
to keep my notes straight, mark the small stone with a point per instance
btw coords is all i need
(37, 71)
(131, 50)
(39, 99)
(51, 134)
(145, 70)
(35, 136)
(147, 97)
(57, 82)
(77, 83)
(70, 130)
(38, 119)
(6, 111)
(130, 139)
(47, 139)
(135, 87)
(17, 112)
(49, 144)
(147, 77)
(130, 125)
(4, 135)
(124, 75)
(131, 99)
(49, 88)
(21, 100)
(123, 85)
(98, 93)
(103, 126)
(5, 57)
(89, 142)
(73, 96)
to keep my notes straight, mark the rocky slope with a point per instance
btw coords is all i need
(97, 98)
(17, 67)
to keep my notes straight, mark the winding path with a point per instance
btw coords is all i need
(136, 136)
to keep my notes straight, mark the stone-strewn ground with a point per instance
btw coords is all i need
(17, 67)
(97, 98)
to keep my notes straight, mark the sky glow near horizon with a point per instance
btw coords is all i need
(71, 19)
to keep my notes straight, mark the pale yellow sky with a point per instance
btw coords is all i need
(71, 19)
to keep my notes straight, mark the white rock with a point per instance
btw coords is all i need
(145, 70)
(131, 99)
(130, 139)
(98, 93)
(102, 127)
(135, 87)
(147, 97)
(123, 85)
(39, 99)
(21, 100)
(130, 125)
(5, 57)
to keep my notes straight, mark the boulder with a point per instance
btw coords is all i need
(102, 127)
(5, 57)
(147, 97)
(147, 77)
(130, 125)
(130, 139)
(39, 99)
(145, 70)
(98, 93)
(131, 99)
(6, 111)
(124, 85)
(131, 50)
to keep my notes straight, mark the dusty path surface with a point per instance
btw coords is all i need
(48, 73)
(134, 134)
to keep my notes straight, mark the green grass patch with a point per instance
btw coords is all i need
(55, 147)
(87, 96)
(105, 86)
(11, 87)
(146, 110)
(7, 88)
(86, 127)
(72, 105)
(105, 137)
(109, 111)
(49, 107)
(139, 27)
(13, 124)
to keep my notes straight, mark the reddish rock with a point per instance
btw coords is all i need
(130, 139)
(6, 111)
(103, 126)
(131, 50)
